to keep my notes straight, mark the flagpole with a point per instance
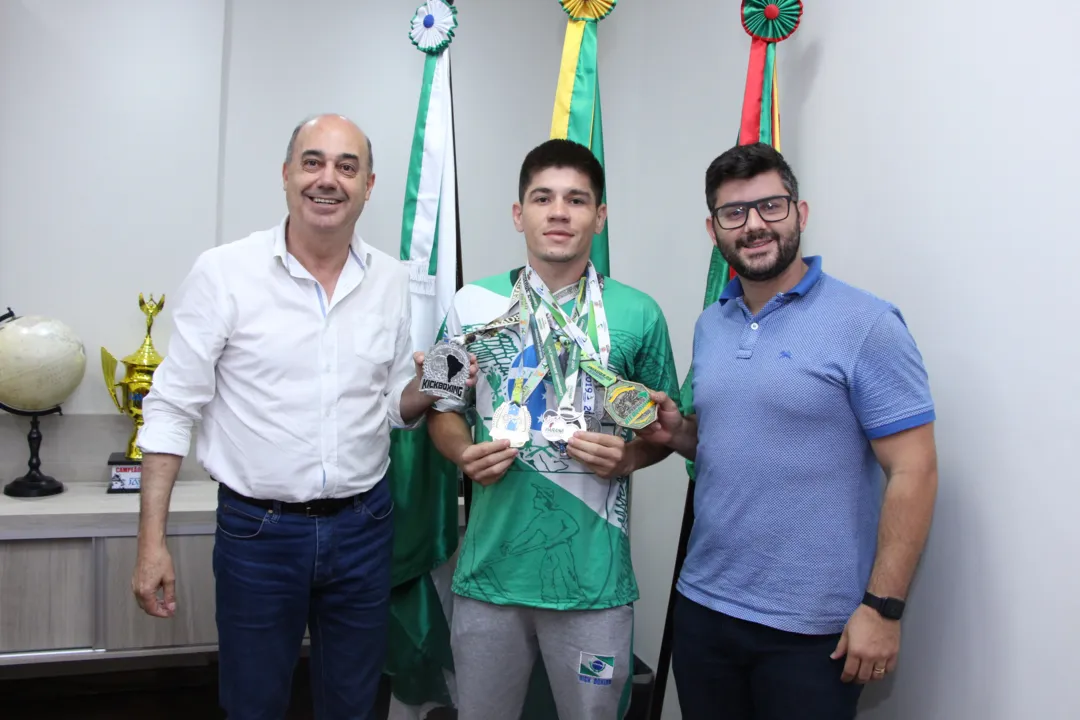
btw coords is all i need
(459, 282)
(768, 22)
(663, 664)
(419, 659)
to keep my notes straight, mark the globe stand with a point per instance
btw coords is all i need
(34, 483)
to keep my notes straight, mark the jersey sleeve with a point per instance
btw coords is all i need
(655, 363)
(890, 389)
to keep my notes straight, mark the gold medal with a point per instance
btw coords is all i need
(629, 405)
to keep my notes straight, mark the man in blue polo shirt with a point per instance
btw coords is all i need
(812, 436)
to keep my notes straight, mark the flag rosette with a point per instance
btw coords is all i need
(588, 9)
(768, 22)
(771, 20)
(433, 25)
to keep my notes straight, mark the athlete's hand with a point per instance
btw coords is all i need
(487, 462)
(605, 455)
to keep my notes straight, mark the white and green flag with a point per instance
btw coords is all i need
(425, 489)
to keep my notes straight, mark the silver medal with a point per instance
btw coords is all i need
(446, 368)
(512, 422)
(574, 421)
(554, 428)
(592, 423)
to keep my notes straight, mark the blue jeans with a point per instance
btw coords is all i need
(731, 669)
(278, 573)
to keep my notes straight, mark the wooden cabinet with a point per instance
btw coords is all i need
(46, 595)
(127, 627)
(65, 576)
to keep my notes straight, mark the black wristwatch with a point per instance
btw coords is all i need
(889, 608)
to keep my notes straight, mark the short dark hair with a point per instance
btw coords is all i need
(558, 153)
(743, 162)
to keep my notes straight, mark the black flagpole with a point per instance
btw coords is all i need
(466, 485)
(663, 664)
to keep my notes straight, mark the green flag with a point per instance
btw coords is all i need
(425, 487)
(577, 115)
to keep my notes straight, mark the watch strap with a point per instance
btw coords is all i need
(888, 607)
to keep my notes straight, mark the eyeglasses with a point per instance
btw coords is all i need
(771, 209)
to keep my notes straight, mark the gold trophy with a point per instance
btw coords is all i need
(139, 367)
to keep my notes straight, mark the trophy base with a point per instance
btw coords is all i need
(125, 474)
(33, 486)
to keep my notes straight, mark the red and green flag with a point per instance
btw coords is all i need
(767, 23)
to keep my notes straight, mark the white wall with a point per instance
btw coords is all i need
(366, 68)
(288, 60)
(933, 176)
(109, 117)
(939, 154)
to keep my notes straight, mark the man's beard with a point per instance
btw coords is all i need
(787, 250)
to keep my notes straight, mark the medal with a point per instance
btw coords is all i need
(511, 422)
(445, 370)
(573, 420)
(629, 405)
(592, 423)
(601, 399)
(559, 426)
(553, 428)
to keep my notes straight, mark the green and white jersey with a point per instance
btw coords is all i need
(551, 534)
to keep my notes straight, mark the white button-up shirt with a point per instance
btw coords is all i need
(296, 393)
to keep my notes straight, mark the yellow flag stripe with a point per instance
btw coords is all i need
(560, 118)
(775, 112)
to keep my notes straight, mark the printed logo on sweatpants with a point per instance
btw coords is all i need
(596, 669)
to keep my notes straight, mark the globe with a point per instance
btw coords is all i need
(42, 361)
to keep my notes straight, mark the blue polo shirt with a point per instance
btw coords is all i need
(788, 491)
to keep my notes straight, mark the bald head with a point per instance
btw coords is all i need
(327, 177)
(329, 119)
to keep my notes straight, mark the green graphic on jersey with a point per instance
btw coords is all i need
(550, 533)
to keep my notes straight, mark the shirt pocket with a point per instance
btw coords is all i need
(373, 340)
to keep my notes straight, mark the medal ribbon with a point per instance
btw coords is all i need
(596, 348)
(530, 334)
(506, 320)
(564, 381)
(596, 345)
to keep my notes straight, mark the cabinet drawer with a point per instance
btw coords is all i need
(46, 595)
(127, 627)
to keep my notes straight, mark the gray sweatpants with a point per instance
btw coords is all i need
(586, 655)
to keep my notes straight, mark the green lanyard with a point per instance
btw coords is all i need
(564, 380)
(523, 388)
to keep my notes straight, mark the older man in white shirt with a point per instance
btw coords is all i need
(292, 346)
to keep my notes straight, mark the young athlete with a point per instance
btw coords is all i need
(566, 358)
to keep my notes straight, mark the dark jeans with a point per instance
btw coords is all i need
(730, 669)
(278, 573)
